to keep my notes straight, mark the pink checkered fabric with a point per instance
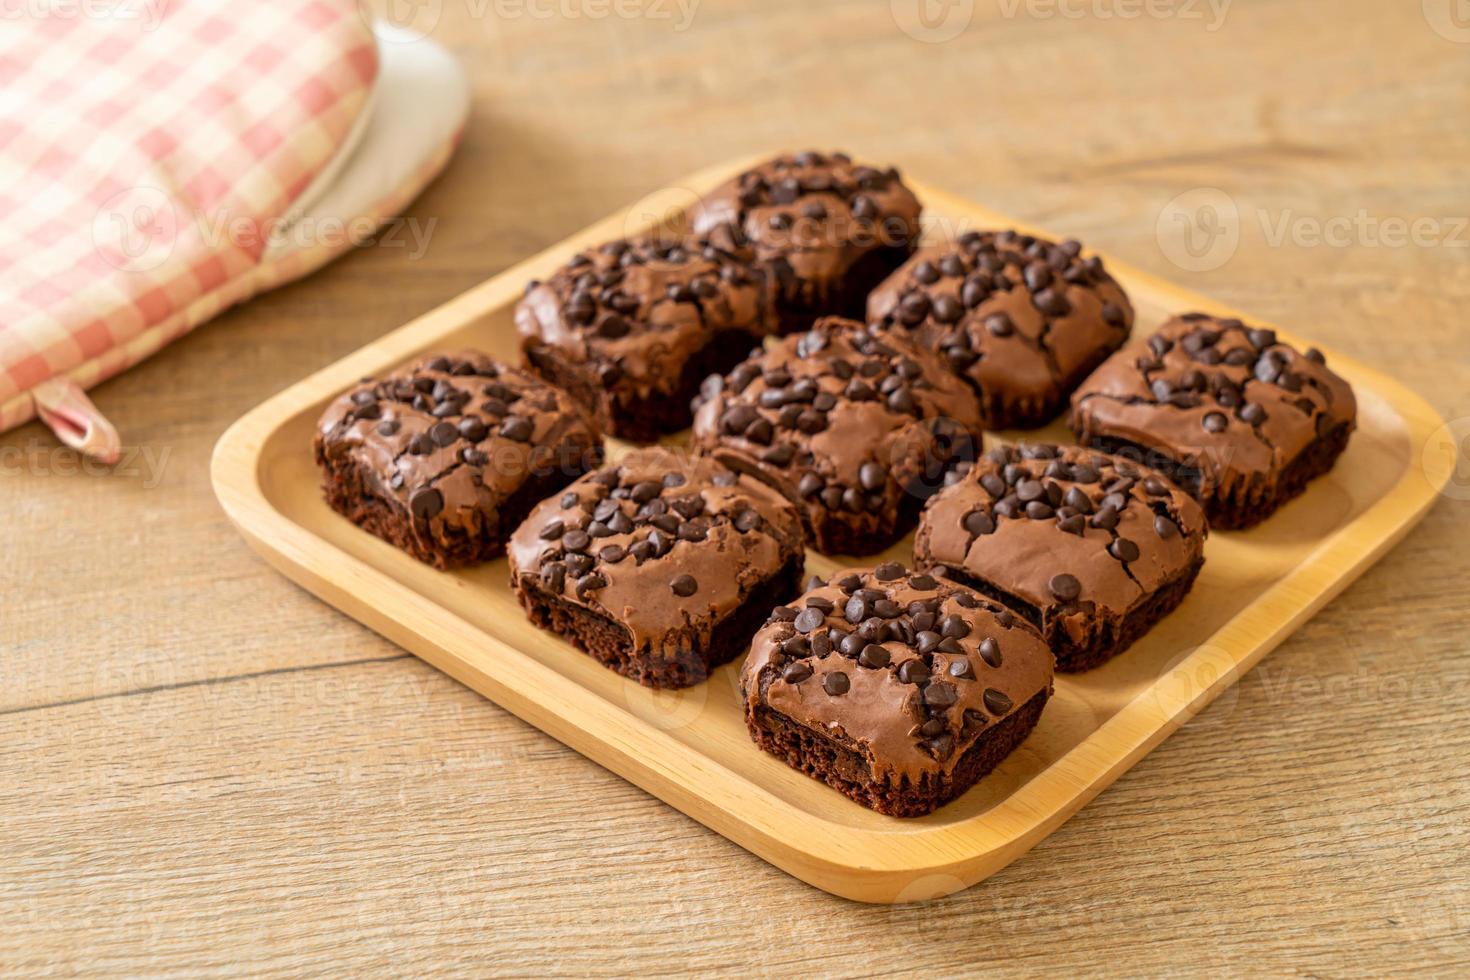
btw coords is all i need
(148, 148)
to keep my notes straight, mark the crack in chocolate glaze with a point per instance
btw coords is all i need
(851, 423)
(1225, 406)
(906, 669)
(1022, 319)
(1076, 538)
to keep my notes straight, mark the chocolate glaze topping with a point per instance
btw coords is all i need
(665, 543)
(453, 436)
(906, 668)
(1072, 533)
(1223, 398)
(1022, 318)
(813, 216)
(641, 309)
(844, 419)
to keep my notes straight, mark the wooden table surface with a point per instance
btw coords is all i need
(205, 769)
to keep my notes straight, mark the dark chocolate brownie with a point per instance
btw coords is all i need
(898, 690)
(854, 424)
(828, 228)
(445, 457)
(1234, 416)
(1091, 549)
(1022, 319)
(660, 566)
(631, 328)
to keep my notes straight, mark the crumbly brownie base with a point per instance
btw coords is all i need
(847, 771)
(1006, 410)
(833, 535)
(610, 644)
(1250, 503)
(352, 493)
(1106, 638)
(620, 412)
(802, 303)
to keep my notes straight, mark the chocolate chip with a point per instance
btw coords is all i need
(996, 702)
(1123, 550)
(990, 652)
(913, 671)
(576, 540)
(947, 309)
(941, 747)
(962, 670)
(797, 672)
(589, 583)
(902, 400)
(836, 684)
(684, 586)
(1075, 524)
(554, 529)
(810, 619)
(473, 429)
(747, 520)
(1052, 301)
(1252, 413)
(425, 503)
(517, 428)
(872, 476)
(1215, 422)
(1065, 587)
(889, 571)
(388, 428)
(940, 694)
(874, 656)
(923, 583)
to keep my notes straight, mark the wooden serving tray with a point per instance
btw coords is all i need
(690, 748)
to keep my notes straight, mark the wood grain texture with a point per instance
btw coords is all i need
(204, 768)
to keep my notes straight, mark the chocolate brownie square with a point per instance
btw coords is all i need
(631, 328)
(660, 566)
(1089, 548)
(445, 457)
(898, 690)
(828, 228)
(1024, 320)
(1237, 418)
(855, 425)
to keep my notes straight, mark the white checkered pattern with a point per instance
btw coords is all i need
(143, 159)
